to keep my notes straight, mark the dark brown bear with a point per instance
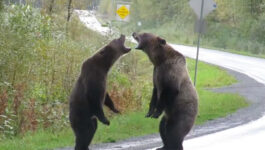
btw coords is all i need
(173, 91)
(89, 93)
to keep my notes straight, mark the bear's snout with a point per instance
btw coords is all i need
(122, 38)
(135, 36)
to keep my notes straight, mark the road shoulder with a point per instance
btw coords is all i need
(247, 87)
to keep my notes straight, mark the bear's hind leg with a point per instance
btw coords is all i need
(162, 131)
(81, 141)
(92, 127)
(84, 134)
(175, 133)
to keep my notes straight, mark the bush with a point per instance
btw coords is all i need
(231, 26)
(39, 63)
(257, 32)
(38, 66)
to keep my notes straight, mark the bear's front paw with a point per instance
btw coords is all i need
(106, 122)
(149, 114)
(156, 114)
(116, 111)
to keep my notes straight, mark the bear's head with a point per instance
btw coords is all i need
(152, 45)
(118, 45)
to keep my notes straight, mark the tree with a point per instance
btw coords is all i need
(1, 5)
(51, 6)
(256, 7)
(69, 10)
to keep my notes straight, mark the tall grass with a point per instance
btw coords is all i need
(133, 123)
(39, 63)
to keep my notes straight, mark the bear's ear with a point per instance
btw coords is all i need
(161, 41)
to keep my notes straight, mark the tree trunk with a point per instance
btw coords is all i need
(1, 5)
(69, 10)
(51, 6)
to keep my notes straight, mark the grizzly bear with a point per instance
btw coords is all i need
(89, 94)
(173, 92)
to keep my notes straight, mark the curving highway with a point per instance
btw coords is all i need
(249, 136)
(244, 137)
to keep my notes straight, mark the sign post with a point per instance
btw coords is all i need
(198, 43)
(201, 8)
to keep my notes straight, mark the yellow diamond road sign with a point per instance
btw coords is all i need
(123, 12)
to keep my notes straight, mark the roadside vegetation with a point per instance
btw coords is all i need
(132, 121)
(40, 58)
(235, 26)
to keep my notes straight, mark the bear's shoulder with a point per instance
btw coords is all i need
(173, 56)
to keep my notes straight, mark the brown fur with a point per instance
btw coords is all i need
(89, 93)
(173, 91)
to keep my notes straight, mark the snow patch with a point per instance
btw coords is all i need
(89, 19)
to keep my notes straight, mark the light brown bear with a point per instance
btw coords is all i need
(173, 92)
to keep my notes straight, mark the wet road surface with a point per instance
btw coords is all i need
(242, 130)
(247, 87)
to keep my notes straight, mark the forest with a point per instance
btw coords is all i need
(236, 26)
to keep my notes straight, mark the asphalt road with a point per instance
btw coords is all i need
(242, 130)
(245, 137)
(252, 90)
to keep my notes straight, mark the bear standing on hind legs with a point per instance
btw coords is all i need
(173, 91)
(89, 93)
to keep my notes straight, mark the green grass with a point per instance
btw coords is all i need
(123, 126)
(40, 140)
(214, 105)
(211, 105)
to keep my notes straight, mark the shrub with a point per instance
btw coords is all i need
(38, 66)
(39, 63)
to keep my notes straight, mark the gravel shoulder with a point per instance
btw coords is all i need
(247, 87)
